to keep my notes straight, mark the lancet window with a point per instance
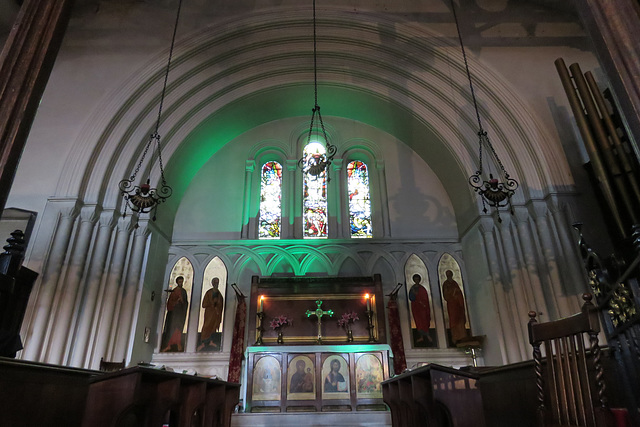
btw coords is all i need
(315, 196)
(359, 199)
(270, 201)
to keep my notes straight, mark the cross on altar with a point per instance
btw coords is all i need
(319, 312)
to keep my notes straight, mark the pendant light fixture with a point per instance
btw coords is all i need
(142, 198)
(494, 191)
(318, 156)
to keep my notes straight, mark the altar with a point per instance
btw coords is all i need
(316, 378)
(318, 345)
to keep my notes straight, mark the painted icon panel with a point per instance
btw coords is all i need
(335, 378)
(266, 379)
(369, 375)
(301, 379)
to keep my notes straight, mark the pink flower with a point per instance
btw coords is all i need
(280, 322)
(348, 317)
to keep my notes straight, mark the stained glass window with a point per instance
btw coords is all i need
(270, 201)
(359, 200)
(315, 196)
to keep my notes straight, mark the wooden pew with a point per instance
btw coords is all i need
(141, 396)
(39, 394)
(434, 395)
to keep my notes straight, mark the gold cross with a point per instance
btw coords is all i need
(319, 312)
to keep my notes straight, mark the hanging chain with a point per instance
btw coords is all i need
(481, 132)
(155, 135)
(166, 74)
(315, 59)
(146, 149)
(466, 66)
(495, 156)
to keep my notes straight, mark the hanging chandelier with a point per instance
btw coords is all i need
(318, 157)
(143, 198)
(494, 191)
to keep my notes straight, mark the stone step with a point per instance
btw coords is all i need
(307, 419)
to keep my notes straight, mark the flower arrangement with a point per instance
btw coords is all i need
(277, 323)
(348, 318)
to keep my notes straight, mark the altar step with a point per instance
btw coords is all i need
(312, 419)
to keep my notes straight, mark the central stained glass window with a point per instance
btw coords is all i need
(270, 201)
(359, 200)
(315, 196)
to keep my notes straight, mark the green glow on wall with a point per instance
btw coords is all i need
(273, 104)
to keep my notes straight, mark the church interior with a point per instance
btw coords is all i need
(192, 222)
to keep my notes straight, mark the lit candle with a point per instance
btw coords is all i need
(260, 303)
(368, 299)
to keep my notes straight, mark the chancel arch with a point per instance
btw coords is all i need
(236, 100)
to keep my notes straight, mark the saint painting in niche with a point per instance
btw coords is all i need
(453, 300)
(177, 307)
(211, 316)
(420, 304)
(420, 309)
(213, 304)
(452, 294)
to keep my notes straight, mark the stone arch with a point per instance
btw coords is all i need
(256, 70)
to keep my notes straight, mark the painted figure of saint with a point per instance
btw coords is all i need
(299, 381)
(420, 308)
(213, 304)
(455, 308)
(334, 378)
(177, 306)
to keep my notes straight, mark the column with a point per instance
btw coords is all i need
(247, 232)
(530, 256)
(516, 275)
(290, 200)
(575, 275)
(335, 203)
(25, 65)
(69, 288)
(615, 30)
(87, 319)
(508, 339)
(383, 201)
(107, 312)
(539, 211)
(131, 292)
(38, 335)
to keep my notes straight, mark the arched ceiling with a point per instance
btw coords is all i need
(231, 78)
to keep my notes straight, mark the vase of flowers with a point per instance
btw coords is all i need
(277, 323)
(348, 319)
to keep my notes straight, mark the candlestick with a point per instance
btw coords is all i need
(368, 299)
(261, 303)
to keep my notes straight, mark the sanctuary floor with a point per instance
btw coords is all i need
(368, 419)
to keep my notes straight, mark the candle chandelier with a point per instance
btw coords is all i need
(142, 198)
(495, 192)
(317, 157)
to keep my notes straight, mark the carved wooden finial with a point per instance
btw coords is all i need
(587, 297)
(532, 316)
